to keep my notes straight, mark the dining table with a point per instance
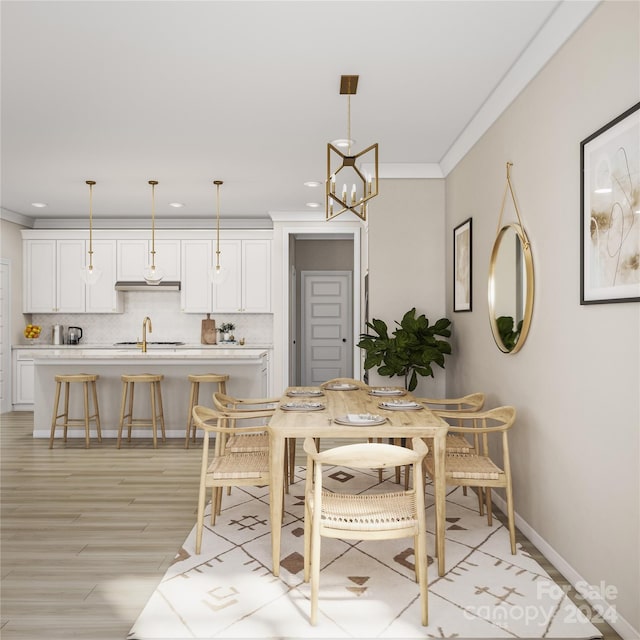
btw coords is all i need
(349, 411)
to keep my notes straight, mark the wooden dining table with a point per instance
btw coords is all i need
(320, 423)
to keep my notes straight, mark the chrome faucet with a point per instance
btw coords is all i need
(145, 323)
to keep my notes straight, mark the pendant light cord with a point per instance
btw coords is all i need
(153, 184)
(90, 183)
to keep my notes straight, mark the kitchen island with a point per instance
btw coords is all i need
(248, 371)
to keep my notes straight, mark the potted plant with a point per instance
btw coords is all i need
(410, 350)
(225, 329)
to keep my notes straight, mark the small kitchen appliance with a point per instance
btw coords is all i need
(74, 335)
(57, 334)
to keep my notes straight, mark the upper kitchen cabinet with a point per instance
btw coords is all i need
(246, 287)
(52, 274)
(102, 297)
(134, 254)
(52, 281)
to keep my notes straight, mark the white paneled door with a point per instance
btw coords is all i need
(327, 326)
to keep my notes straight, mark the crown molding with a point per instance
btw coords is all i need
(562, 23)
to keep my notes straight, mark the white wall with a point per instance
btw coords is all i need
(407, 262)
(11, 249)
(576, 382)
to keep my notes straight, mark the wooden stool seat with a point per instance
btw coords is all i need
(87, 380)
(157, 414)
(195, 379)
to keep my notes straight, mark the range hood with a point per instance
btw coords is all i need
(141, 285)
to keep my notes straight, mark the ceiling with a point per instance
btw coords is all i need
(248, 92)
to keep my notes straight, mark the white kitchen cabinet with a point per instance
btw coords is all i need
(246, 287)
(256, 276)
(101, 297)
(23, 391)
(196, 293)
(134, 254)
(52, 276)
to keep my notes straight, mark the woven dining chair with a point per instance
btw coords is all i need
(364, 516)
(253, 442)
(224, 467)
(338, 381)
(477, 469)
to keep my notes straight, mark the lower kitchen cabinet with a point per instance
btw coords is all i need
(23, 389)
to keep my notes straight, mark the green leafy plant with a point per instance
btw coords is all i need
(410, 350)
(226, 327)
(508, 334)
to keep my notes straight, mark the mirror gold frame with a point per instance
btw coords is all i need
(519, 280)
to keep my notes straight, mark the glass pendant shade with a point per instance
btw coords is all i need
(218, 275)
(90, 275)
(152, 274)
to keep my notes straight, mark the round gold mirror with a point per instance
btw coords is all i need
(511, 288)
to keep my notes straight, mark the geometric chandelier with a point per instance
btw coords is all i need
(352, 178)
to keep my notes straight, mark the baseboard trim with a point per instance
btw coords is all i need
(620, 625)
(75, 432)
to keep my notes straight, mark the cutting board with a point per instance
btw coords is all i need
(208, 332)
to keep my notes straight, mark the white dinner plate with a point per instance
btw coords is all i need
(360, 419)
(346, 386)
(305, 393)
(401, 405)
(302, 406)
(387, 391)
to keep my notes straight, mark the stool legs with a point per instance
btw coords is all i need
(126, 411)
(88, 416)
(193, 401)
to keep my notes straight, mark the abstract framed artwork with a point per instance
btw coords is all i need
(462, 255)
(610, 211)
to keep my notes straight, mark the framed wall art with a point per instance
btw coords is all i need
(610, 211)
(462, 255)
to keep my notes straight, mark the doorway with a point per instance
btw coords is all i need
(323, 308)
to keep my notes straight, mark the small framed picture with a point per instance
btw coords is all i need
(610, 211)
(462, 255)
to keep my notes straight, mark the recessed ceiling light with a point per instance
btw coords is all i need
(342, 143)
(313, 205)
(312, 183)
(176, 205)
(39, 204)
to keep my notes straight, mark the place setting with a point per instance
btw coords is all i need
(305, 393)
(341, 386)
(302, 406)
(401, 405)
(387, 391)
(360, 419)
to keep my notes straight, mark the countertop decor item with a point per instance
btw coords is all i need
(208, 331)
(32, 332)
(225, 329)
(411, 349)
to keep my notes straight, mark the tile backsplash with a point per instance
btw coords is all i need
(169, 323)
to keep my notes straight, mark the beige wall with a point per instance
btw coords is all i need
(407, 260)
(576, 381)
(11, 249)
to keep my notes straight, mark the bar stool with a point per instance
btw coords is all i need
(157, 415)
(195, 379)
(87, 379)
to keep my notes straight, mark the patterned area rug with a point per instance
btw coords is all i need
(367, 589)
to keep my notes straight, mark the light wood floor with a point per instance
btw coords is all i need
(88, 534)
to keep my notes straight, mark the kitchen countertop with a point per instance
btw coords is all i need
(64, 348)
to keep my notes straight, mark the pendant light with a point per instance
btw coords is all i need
(217, 274)
(152, 274)
(357, 173)
(90, 275)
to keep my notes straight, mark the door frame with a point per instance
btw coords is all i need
(5, 348)
(328, 273)
(284, 333)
